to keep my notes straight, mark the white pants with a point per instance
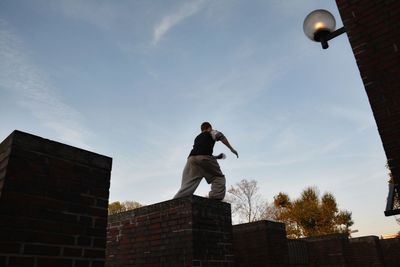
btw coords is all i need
(195, 169)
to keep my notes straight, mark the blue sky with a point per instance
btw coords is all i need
(134, 79)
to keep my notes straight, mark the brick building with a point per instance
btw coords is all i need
(373, 28)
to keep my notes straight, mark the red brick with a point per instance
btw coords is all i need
(10, 248)
(3, 260)
(21, 261)
(72, 252)
(52, 262)
(101, 223)
(82, 263)
(99, 243)
(96, 232)
(94, 254)
(102, 203)
(30, 249)
(86, 220)
(98, 264)
(84, 241)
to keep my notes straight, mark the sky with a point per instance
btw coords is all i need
(134, 80)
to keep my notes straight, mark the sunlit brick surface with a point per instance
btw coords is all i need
(184, 232)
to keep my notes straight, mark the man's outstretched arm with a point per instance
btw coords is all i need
(225, 141)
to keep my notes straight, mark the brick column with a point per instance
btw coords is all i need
(374, 34)
(184, 232)
(53, 203)
(261, 243)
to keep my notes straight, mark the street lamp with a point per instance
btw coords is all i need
(320, 25)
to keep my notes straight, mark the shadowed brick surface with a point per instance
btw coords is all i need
(365, 251)
(261, 243)
(390, 250)
(53, 203)
(298, 253)
(328, 250)
(339, 250)
(190, 231)
(374, 34)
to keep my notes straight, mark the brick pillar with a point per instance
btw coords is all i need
(374, 34)
(184, 232)
(53, 203)
(261, 243)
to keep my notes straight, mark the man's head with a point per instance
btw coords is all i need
(205, 126)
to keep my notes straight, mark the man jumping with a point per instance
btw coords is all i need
(201, 163)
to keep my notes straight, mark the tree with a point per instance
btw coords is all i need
(310, 215)
(117, 207)
(246, 202)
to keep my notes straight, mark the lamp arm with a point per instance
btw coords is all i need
(324, 40)
(335, 33)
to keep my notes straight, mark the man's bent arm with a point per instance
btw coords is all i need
(226, 142)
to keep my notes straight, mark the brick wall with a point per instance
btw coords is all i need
(390, 250)
(338, 250)
(184, 232)
(53, 203)
(373, 28)
(365, 251)
(328, 250)
(261, 243)
(298, 253)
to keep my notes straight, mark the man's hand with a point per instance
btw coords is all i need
(220, 156)
(235, 152)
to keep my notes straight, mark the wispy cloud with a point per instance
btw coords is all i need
(34, 92)
(168, 22)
